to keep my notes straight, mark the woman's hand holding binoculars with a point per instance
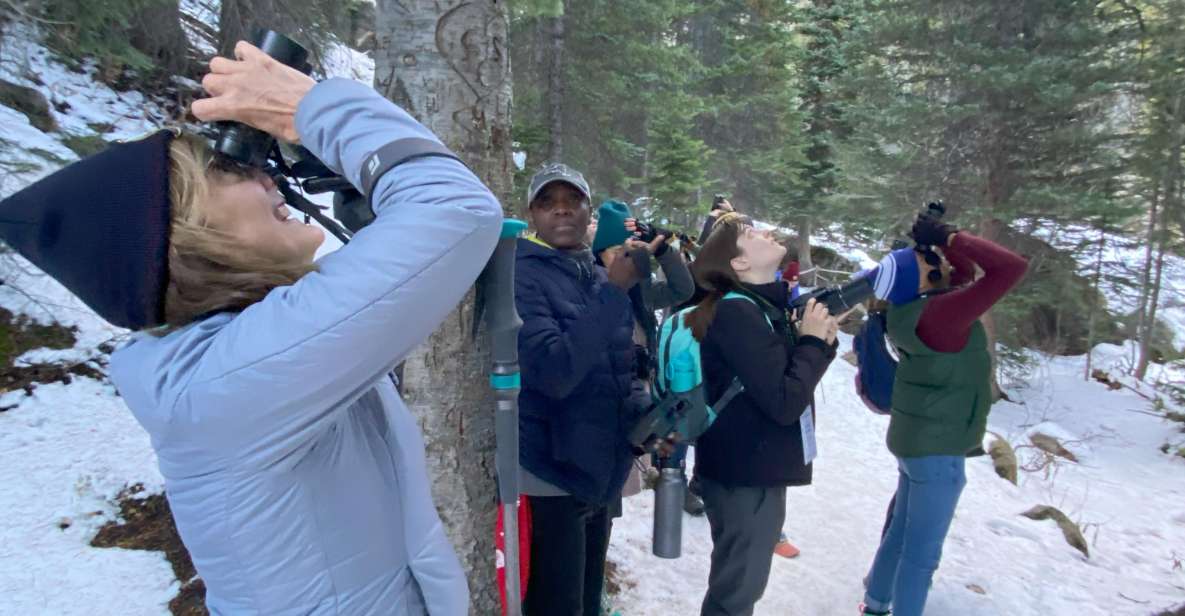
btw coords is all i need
(254, 89)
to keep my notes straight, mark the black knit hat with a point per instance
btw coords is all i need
(101, 228)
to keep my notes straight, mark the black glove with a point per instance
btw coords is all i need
(930, 231)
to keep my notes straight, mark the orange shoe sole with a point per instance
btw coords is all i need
(785, 549)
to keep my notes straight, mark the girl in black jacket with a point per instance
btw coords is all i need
(763, 441)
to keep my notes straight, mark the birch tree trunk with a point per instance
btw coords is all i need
(1142, 326)
(446, 62)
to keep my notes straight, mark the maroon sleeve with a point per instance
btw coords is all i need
(946, 321)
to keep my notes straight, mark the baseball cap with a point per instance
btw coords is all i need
(557, 172)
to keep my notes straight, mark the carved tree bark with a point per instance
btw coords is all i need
(446, 62)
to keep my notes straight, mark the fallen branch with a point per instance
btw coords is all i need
(1143, 412)
(1134, 600)
(1140, 393)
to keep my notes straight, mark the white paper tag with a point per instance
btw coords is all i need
(806, 425)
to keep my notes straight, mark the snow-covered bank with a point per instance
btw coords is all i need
(67, 451)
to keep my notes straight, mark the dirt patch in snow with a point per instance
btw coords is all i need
(615, 580)
(18, 335)
(27, 378)
(147, 524)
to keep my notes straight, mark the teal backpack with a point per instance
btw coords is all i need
(679, 386)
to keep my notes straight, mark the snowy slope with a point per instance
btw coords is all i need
(80, 104)
(67, 451)
(1129, 494)
(1122, 259)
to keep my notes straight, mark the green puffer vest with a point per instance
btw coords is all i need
(940, 400)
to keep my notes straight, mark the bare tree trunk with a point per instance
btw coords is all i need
(1094, 309)
(1153, 302)
(804, 253)
(158, 34)
(446, 62)
(540, 48)
(237, 18)
(1172, 202)
(1142, 325)
(1145, 345)
(555, 87)
(646, 156)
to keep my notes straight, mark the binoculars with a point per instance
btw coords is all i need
(250, 146)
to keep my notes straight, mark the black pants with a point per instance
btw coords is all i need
(746, 523)
(569, 541)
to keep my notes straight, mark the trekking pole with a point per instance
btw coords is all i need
(502, 320)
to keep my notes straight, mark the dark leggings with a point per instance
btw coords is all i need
(569, 541)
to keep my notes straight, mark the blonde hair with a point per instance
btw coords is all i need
(209, 271)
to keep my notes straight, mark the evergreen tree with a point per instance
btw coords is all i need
(1003, 109)
(1160, 59)
(825, 24)
(752, 119)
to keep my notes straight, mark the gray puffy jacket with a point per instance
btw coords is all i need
(295, 472)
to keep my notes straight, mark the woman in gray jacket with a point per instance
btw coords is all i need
(295, 472)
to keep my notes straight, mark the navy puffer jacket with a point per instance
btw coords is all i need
(576, 355)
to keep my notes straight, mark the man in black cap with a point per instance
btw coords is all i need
(576, 352)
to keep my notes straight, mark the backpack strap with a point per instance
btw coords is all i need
(735, 295)
(734, 390)
(737, 388)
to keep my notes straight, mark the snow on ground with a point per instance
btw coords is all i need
(67, 451)
(87, 106)
(79, 104)
(1129, 497)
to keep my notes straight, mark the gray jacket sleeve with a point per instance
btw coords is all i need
(274, 375)
(676, 289)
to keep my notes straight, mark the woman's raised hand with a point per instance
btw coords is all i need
(254, 89)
